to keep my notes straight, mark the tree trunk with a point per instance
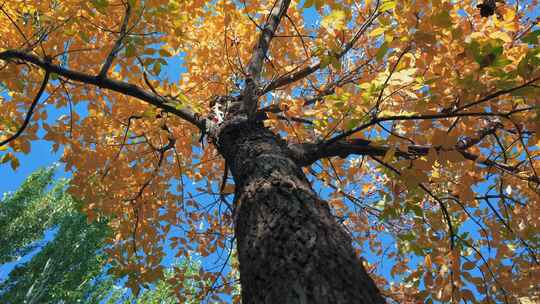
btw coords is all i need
(290, 247)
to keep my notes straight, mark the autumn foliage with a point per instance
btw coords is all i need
(421, 119)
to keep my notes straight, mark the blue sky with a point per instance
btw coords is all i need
(41, 155)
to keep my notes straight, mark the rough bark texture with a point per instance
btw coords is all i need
(291, 249)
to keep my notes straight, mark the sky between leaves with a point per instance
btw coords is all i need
(447, 98)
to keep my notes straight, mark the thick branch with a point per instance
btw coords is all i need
(308, 153)
(30, 111)
(106, 83)
(254, 66)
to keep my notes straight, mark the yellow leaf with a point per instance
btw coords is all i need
(509, 15)
(403, 76)
(334, 21)
(501, 35)
(310, 112)
(376, 32)
(183, 98)
(427, 261)
(387, 113)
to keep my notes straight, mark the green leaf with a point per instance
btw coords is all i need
(532, 37)
(389, 155)
(149, 113)
(381, 52)
(156, 69)
(529, 63)
(325, 61)
(335, 62)
(416, 210)
(130, 50)
(84, 36)
(407, 237)
(351, 124)
(100, 5)
(485, 54)
(526, 92)
(501, 62)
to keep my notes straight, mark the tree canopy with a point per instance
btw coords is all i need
(419, 119)
(67, 268)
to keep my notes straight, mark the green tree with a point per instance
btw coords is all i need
(71, 268)
(66, 269)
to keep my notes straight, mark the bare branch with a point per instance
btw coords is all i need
(122, 144)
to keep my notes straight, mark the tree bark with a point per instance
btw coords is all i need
(290, 247)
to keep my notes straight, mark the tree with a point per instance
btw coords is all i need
(70, 268)
(418, 118)
(67, 268)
